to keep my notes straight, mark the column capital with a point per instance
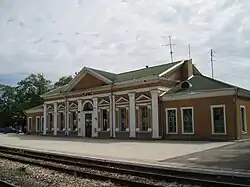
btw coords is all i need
(132, 94)
(153, 92)
(95, 99)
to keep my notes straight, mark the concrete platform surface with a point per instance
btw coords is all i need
(127, 150)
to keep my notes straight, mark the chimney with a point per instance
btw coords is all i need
(187, 69)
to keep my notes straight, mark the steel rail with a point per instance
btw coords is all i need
(185, 177)
(6, 184)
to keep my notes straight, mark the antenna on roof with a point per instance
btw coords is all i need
(170, 48)
(212, 61)
(189, 51)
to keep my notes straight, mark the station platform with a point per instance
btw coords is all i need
(221, 156)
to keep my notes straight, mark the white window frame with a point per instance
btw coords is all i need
(176, 119)
(38, 117)
(245, 119)
(29, 124)
(182, 122)
(212, 118)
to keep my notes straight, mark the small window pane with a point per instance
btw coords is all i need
(144, 118)
(172, 123)
(218, 120)
(243, 117)
(187, 120)
(122, 119)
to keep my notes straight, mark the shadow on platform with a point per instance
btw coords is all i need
(231, 157)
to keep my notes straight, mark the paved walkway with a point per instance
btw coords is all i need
(135, 150)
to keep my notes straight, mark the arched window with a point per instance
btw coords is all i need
(88, 107)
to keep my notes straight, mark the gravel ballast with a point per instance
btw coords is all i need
(32, 176)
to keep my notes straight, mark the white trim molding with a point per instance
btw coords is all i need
(103, 102)
(172, 68)
(122, 100)
(29, 124)
(245, 119)
(108, 94)
(37, 124)
(199, 94)
(176, 120)
(143, 97)
(73, 105)
(182, 122)
(224, 116)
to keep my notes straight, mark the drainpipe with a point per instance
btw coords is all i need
(235, 113)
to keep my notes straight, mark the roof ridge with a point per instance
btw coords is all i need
(101, 70)
(149, 67)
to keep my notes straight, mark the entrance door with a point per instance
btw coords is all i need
(88, 125)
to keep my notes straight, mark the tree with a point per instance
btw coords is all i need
(14, 100)
(63, 81)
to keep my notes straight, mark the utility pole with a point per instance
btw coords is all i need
(170, 48)
(212, 61)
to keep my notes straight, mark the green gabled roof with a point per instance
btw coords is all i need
(108, 75)
(130, 75)
(56, 91)
(126, 76)
(201, 83)
(145, 72)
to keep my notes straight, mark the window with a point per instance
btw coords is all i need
(218, 119)
(171, 121)
(29, 123)
(74, 116)
(187, 118)
(104, 119)
(144, 118)
(50, 121)
(122, 119)
(38, 124)
(243, 119)
(61, 121)
(42, 123)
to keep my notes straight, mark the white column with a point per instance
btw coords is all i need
(132, 118)
(114, 116)
(110, 116)
(45, 118)
(95, 118)
(155, 114)
(79, 114)
(67, 117)
(55, 119)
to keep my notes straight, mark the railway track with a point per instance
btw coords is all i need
(6, 184)
(139, 175)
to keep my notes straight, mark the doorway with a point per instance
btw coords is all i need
(88, 124)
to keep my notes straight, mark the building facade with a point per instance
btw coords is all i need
(168, 101)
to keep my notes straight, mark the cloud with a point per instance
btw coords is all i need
(60, 37)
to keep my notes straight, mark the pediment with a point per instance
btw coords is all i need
(122, 100)
(73, 105)
(143, 98)
(61, 106)
(87, 78)
(103, 102)
(88, 81)
(50, 107)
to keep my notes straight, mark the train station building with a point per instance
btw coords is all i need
(168, 101)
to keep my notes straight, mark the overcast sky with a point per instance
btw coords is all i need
(59, 37)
